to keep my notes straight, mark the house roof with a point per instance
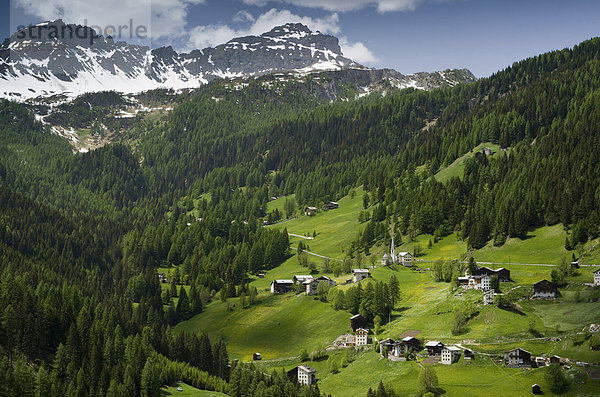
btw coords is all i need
(360, 271)
(306, 368)
(597, 271)
(281, 281)
(311, 208)
(408, 338)
(452, 348)
(363, 329)
(301, 276)
(385, 256)
(518, 348)
(433, 343)
(544, 285)
(324, 278)
(387, 341)
(356, 316)
(403, 253)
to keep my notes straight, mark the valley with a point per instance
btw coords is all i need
(194, 222)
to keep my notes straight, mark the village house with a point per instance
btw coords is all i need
(256, 357)
(536, 389)
(402, 347)
(332, 205)
(502, 273)
(281, 286)
(396, 350)
(306, 375)
(386, 345)
(360, 274)
(361, 337)
(404, 258)
(450, 354)
(434, 347)
(482, 283)
(544, 290)
(310, 211)
(357, 321)
(541, 362)
(311, 285)
(517, 358)
(597, 277)
(300, 279)
(489, 297)
(555, 359)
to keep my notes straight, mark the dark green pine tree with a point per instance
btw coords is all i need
(183, 305)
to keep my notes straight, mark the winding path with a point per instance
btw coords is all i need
(320, 256)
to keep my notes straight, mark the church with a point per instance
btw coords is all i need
(403, 258)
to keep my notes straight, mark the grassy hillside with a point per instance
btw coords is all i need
(458, 166)
(545, 245)
(334, 229)
(279, 327)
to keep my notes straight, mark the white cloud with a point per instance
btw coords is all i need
(208, 36)
(212, 35)
(382, 6)
(358, 52)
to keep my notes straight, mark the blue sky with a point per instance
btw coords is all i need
(408, 35)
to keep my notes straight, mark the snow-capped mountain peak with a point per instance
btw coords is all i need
(57, 58)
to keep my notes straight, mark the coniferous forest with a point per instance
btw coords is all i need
(82, 312)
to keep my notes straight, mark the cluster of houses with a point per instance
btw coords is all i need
(521, 358)
(597, 277)
(515, 358)
(312, 211)
(398, 350)
(480, 278)
(308, 282)
(403, 258)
